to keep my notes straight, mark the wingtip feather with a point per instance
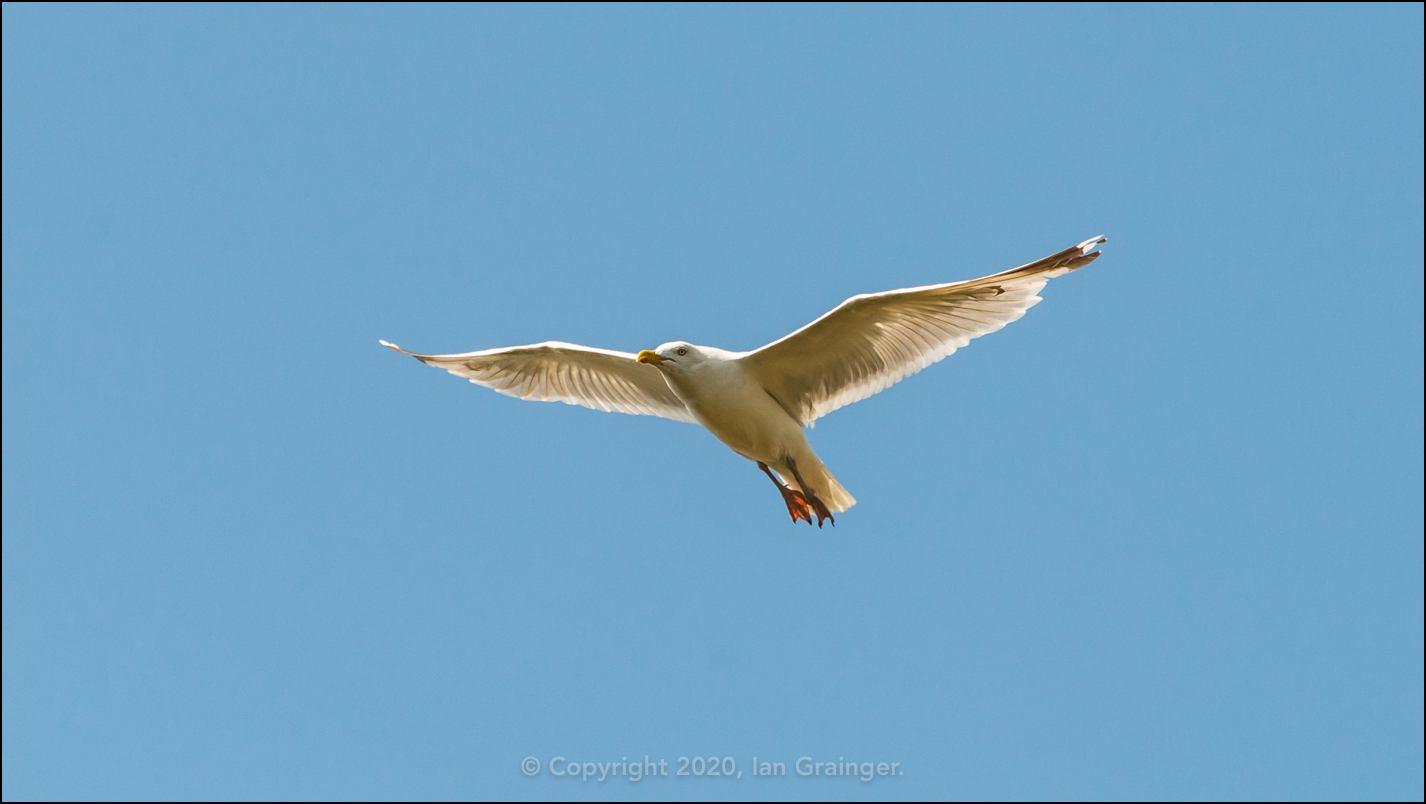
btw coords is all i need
(1088, 245)
(392, 346)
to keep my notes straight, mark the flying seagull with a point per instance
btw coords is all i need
(758, 402)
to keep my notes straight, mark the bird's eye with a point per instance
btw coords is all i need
(683, 351)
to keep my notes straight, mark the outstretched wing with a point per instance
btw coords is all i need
(873, 341)
(564, 372)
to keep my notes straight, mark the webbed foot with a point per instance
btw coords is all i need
(796, 503)
(818, 507)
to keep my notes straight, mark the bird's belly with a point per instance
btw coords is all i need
(752, 425)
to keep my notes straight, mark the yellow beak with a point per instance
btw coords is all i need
(648, 356)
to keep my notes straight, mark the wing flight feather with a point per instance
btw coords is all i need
(870, 342)
(601, 379)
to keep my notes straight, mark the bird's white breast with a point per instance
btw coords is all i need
(738, 411)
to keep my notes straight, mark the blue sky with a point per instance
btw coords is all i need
(1161, 538)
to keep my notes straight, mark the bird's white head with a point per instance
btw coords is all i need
(678, 356)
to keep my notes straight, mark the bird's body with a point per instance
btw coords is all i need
(736, 409)
(740, 413)
(758, 402)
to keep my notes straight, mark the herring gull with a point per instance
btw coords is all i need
(758, 402)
